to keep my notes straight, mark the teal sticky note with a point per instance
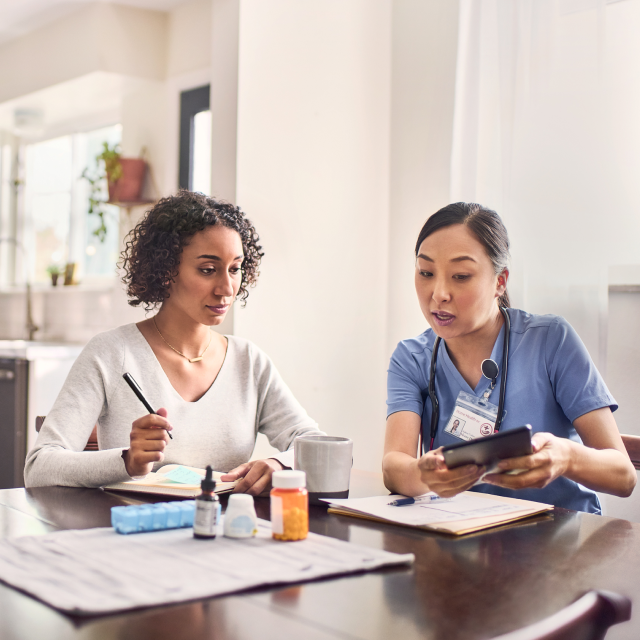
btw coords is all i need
(184, 476)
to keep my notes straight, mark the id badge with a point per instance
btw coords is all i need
(472, 417)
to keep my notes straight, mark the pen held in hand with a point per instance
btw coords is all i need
(138, 391)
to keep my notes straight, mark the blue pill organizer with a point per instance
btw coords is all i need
(153, 517)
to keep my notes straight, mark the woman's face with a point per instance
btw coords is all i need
(209, 275)
(456, 283)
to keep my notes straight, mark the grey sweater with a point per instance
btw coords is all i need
(219, 429)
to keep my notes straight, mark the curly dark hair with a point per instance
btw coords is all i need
(153, 247)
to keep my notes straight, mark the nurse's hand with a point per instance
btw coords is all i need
(550, 459)
(148, 439)
(446, 482)
(256, 476)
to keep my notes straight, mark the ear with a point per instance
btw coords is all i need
(501, 284)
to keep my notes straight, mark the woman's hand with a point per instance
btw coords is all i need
(148, 439)
(550, 459)
(256, 476)
(446, 482)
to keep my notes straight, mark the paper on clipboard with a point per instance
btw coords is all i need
(467, 512)
(462, 507)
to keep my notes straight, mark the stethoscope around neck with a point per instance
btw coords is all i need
(489, 370)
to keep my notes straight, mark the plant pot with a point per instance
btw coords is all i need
(54, 279)
(129, 187)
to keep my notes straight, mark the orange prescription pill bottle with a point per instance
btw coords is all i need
(289, 505)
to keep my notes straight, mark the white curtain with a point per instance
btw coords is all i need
(546, 131)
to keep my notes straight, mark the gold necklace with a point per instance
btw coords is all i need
(191, 360)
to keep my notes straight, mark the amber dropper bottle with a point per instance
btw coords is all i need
(205, 524)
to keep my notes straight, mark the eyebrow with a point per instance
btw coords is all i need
(212, 257)
(458, 259)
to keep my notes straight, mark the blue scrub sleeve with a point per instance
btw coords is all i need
(405, 382)
(577, 385)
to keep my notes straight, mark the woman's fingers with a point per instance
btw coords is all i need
(443, 481)
(257, 476)
(432, 460)
(146, 458)
(453, 484)
(149, 439)
(261, 484)
(238, 472)
(252, 476)
(152, 422)
(533, 479)
(152, 445)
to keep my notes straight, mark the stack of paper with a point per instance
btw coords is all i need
(467, 512)
(173, 480)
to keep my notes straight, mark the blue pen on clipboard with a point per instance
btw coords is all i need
(135, 387)
(402, 502)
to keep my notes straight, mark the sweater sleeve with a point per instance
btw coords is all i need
(58, 457)
(279, 415)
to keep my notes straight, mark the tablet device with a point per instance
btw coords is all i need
(491, 449)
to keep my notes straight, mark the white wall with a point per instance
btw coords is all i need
(424, 49)
(313, 148)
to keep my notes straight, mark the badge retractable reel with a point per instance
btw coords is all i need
(490, 370)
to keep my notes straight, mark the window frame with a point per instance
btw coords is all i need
(192, 101)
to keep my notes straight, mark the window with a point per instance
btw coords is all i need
(195, 140)
(56, 226)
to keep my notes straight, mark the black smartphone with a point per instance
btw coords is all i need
(489, 450)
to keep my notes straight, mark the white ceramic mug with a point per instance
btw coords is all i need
(327, 461)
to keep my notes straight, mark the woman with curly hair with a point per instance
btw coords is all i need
(190, 257)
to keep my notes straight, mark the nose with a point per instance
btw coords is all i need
(441, 290)
(224, 285)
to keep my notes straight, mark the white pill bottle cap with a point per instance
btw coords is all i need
(289, 480)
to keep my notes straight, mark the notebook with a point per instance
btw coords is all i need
(159, 482)
(465, 513)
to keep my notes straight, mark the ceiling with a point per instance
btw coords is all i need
(18, 17)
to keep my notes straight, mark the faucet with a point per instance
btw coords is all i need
(31, 326)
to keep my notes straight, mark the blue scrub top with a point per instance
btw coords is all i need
(551, 381)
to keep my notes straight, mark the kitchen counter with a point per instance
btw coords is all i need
(35, 350)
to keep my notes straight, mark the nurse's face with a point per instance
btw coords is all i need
(456, 283)
(209, 276)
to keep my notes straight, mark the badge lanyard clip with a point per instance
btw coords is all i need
(490, 371)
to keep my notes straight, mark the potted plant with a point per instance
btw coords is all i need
(124, 177)
(54, 271)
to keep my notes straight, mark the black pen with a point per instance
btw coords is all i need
(135, 387)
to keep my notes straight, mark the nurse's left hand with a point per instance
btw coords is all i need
(256, 476)
(550, 459)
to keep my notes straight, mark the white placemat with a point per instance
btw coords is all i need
(96, 571)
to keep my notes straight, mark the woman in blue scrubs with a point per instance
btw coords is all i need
(461, 277)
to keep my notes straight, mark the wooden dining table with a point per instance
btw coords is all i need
(471, 587)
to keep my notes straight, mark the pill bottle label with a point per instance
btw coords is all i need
(206, 520)
(241, 526)
(277, 525)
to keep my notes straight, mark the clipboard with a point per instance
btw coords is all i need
(457, 527)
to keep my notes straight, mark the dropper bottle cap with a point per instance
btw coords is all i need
(208, 484)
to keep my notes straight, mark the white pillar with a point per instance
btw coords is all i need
(313, 175)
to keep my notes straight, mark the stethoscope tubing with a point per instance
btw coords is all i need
(435, 405)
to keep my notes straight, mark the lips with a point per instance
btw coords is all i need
(443, 318)
(219, 308)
